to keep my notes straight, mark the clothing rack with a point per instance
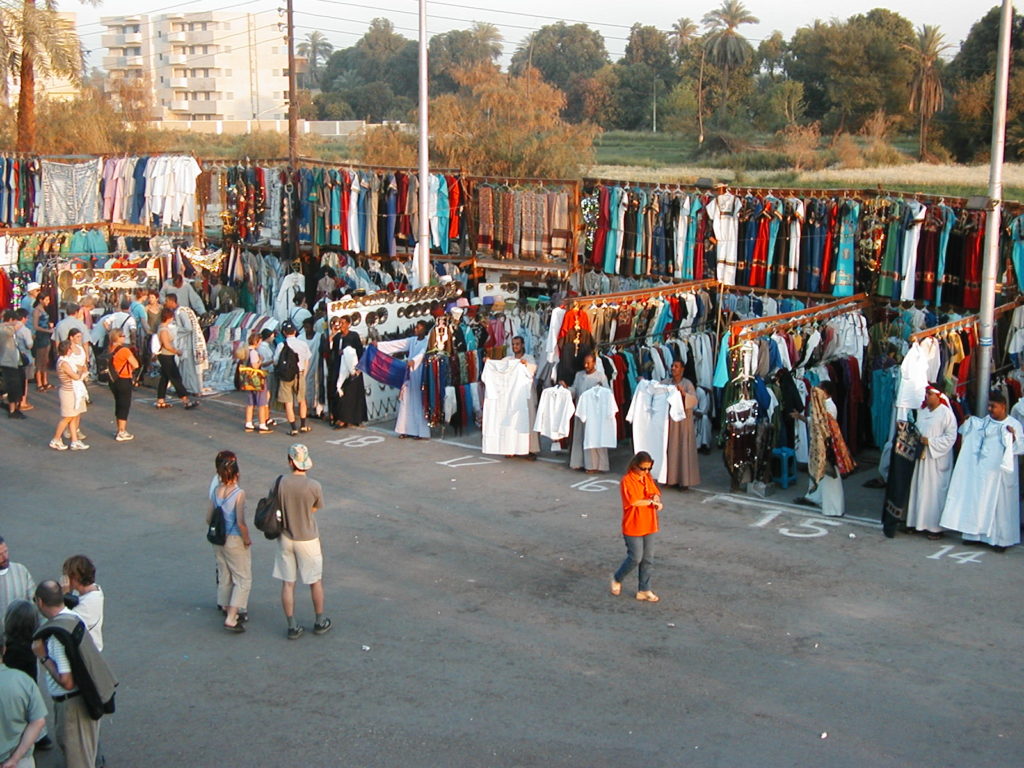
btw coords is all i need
(742, 330)
(775, 292)
(54, 228)
(645, 293)
(969, 320)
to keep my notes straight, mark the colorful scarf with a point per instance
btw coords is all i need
(825, 434)
(383, 367)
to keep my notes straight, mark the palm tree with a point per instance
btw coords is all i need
(683, 33)
(726, 48)
(35, 39)
(317, 49)
(926, 93)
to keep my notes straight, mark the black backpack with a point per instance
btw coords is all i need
(287, 367)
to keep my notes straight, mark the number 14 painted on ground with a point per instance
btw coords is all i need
(960, 557)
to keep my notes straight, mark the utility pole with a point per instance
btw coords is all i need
(986, 314)
(654, 107)
(422, 257)
(293, 100)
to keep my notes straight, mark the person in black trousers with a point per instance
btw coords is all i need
(169, 372)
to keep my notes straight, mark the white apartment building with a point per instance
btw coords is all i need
(214, 65)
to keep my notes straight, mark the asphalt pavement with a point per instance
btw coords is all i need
(472, 620)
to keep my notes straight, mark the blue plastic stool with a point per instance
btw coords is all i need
(786, 464)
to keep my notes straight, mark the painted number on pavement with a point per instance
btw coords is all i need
(961, 557)
(357, 441)
(806, 529)
(467, 461)
(594, 485)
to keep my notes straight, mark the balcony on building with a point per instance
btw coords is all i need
(178, 105)
(178, 82)
(176, 58)
(201, 36)
(133, 62)
(132, 38)
(176, 37)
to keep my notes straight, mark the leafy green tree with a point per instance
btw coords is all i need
(771, 55)
(317, 49)
(851, 69)
(926, 94)
(967, 126)
(462, 49)
(566, 55)
(380, 55)
(650, 47)
(726, 48)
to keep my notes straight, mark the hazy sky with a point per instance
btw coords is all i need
(345, 22)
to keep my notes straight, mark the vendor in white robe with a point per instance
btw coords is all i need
(937, 425)
(187, 325)
(825, 492)
(187, 295)
(983, 501)
(519, 353)
(311, 338)
(590, 459)
(411, 421)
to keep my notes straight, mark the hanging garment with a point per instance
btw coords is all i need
(723, 211)
(554, 413)
(506, 423)
(650, 411)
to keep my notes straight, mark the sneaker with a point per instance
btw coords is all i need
(249, 427)
(263, 429)
(296, 633)
(58, 445)
(78, 445)
(81, 435)
(322, 629)
(123, 437)
(16, 415)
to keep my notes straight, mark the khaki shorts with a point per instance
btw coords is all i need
(293, 391)
(304, 555)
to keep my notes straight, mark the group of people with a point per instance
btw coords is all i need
(117, 346)
(53, 630)
(975, 490)
(299, 553)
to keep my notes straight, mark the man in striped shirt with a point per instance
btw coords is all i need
(16, 583)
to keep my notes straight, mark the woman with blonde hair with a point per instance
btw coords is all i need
(123, 365)
(234, 560)
(259, 399)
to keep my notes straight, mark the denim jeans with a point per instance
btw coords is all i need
(639, 550)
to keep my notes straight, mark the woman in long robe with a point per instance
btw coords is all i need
(683, 469)
(411, 421)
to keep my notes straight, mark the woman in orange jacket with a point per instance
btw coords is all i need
(641, 501)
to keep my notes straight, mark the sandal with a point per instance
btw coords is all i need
(615, 586)
(191, 404)
(162, 405)
(236, 628)
(647, 596)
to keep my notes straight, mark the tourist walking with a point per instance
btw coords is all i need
(42, 340)
(641, 502)
(167, 356)
(123, 365)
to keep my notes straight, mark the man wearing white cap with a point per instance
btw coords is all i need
(299, 552)
(937, 425)
(29, 299)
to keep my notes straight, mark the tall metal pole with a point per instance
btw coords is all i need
(423, 238)
(293, 101)
(986, 315)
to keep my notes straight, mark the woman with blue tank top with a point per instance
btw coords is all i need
(234, 560)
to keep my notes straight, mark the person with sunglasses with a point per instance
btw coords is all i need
(641, 502)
